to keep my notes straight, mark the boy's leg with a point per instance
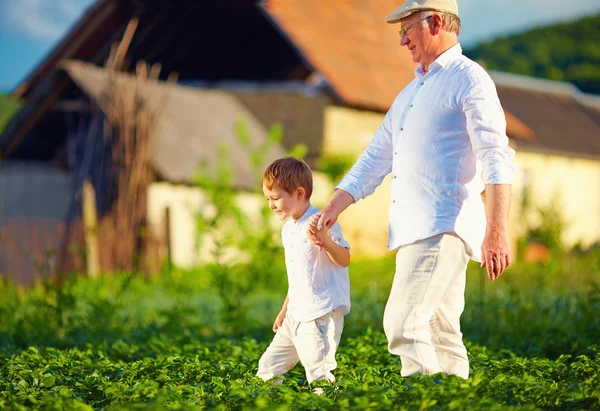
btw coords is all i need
(425, 273)
(317, 342)
(281, 355)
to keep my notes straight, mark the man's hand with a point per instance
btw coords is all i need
(495, 252)
(279, 320)
(337, 203)
(495, 249)
(319, 224)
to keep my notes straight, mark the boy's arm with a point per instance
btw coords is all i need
(281, 316)
(338, 254)
(285, 303)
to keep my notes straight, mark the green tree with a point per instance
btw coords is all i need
(566, 52)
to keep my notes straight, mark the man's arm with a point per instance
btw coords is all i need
(486, 126)
(338, 202)
(364, 177)
(495, 248)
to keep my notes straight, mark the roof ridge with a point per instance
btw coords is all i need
(546, 86)
(534, 83)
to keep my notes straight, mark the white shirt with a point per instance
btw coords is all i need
(441, 131)
(316, 285)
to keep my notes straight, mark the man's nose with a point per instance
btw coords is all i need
(403, 40)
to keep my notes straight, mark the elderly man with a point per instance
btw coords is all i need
(442, 131)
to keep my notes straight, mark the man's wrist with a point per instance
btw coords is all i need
(496, 226)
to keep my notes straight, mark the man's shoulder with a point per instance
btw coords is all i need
(467, 67)
(470, 72)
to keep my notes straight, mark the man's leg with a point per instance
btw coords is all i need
(446, 335)
(426, 272)
(281, 356)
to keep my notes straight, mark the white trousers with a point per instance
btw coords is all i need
(313, 343)
(422, 315)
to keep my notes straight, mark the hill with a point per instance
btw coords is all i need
(566, 52)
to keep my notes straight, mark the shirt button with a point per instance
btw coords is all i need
(402, 129)
(393, 201)
(422, 84)
(411, 105)
(395, 176)
(395, 153)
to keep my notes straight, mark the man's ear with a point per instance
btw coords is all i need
(436, 22)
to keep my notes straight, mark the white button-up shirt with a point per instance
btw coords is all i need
(442, 131)
(316, 285)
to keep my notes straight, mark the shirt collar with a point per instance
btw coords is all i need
(442, 61)
(309, 212)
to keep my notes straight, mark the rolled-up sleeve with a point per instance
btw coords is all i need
(486, 126)
(373, 164)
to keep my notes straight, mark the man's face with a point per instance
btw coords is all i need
(418, 38)
(284, 204)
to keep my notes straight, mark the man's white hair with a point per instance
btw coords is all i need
(450, 22)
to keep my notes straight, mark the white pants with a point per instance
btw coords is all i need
(313, 343)
(422, 315)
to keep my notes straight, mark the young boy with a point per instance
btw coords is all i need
(309, 325)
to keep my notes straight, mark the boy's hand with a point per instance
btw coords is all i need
(279, 321)
(311, 235)
(320, 234)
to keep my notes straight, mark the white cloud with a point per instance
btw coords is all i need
(42, 20)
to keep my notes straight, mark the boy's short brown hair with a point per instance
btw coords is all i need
(289, 173)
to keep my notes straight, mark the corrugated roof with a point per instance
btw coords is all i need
(350, 44)
(563, 119)
(193, 126)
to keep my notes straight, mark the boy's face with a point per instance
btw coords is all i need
(284, 204)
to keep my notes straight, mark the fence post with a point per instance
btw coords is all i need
(90, 222)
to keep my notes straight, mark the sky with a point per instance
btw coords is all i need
(30, 28)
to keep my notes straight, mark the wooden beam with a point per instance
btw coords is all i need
(73, 106)
(39, 113)
(90, 222)
(119, 56)
(146, 29)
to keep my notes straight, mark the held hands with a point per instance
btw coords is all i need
(495, 252)
(319, 225)
(317, 236)
(279, 320)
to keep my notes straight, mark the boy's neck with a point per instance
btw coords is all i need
(301, 211)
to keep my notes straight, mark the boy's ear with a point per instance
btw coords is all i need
(301, 193)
